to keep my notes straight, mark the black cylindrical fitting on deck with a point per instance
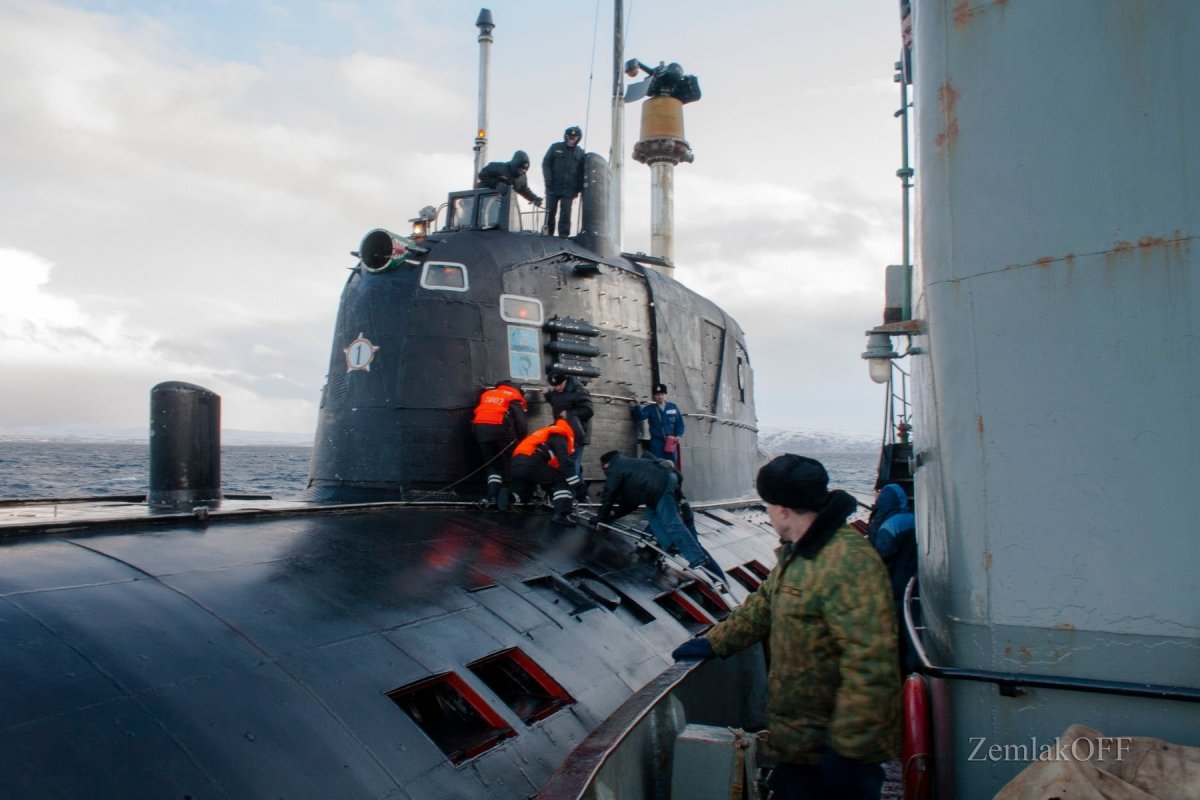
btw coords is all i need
(596, 233)
(185, 445)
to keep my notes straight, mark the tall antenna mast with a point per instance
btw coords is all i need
(485, 25)
(616, 153)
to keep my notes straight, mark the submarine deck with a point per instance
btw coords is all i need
(260, 649)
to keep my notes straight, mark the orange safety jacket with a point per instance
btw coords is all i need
(494, 403)
(530, 444)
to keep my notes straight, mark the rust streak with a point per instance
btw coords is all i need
(947, 101)
(1023, 651)
(1121, 247)
(1151, 241)
(1044, 261)
(963, 14)
(979, 424)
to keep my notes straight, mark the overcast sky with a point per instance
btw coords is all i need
(181, 183)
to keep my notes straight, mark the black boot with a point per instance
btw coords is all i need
(562, 511)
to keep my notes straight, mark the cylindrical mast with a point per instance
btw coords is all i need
(905, 174)
(662, 210)
(661, 147)
(485, 25)
(616, 153)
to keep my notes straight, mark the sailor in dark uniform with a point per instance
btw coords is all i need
(562, 169)
(633, 482)
(505, 175)
(665, 422)
(569, 400)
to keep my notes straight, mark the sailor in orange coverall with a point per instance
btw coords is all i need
(498, 422)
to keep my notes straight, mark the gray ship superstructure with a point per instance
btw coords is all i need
(1051, 345)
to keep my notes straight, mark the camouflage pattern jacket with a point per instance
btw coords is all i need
(834, 678)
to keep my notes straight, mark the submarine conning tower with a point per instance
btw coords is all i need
(476, 294)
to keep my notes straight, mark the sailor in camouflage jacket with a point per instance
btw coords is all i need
(826, 612)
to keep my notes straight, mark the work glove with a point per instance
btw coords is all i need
(537, 201)
(698, 648)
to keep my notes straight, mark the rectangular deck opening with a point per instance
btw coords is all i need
(577, 601)
(707, 599)
(685, 611)
(524, 687)
(453, 715)
(608, 595)
(758, 568)
(744, 577)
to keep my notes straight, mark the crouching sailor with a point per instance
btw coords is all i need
(833, 692)
(632, 482)
(499, 421)
(543, 458)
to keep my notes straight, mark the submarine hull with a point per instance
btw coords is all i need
(281, 650)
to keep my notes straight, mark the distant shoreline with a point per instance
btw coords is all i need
(229, 438)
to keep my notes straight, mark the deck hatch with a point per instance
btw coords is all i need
(758, 568)
(707, 599)
(453, 715)
(562, 590)
(745, 577)
(523, 686)
(685, 611)
(602, 591)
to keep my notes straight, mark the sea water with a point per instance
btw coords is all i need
(45, 469)
(64, 469)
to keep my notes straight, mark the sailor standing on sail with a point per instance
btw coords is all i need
(665, 423)
(543, 458)
(499, 421)
(562, 169)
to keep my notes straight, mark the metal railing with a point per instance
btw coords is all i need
(1010, 683)
(897, 412)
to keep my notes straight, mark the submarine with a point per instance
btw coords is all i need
(384, 635)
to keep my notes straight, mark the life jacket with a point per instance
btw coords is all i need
(494, 403)
(539, 439)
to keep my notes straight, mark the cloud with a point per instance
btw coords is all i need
(64, 361)
(215, 203)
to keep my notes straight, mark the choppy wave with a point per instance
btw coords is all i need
(39, 469)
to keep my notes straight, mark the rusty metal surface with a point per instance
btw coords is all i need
(1055, 420)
